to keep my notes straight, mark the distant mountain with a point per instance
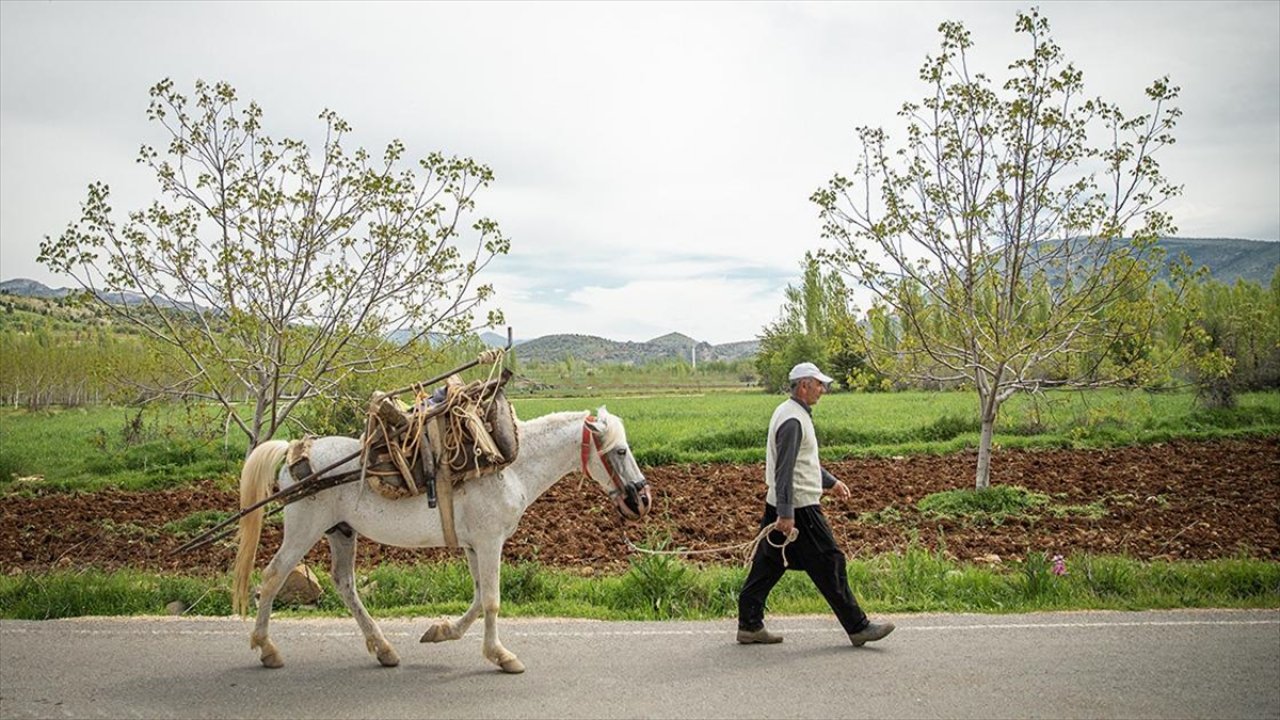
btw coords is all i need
(31, 288)
(740, 349)
(490, 339)
(675, 341)
(1228, 259)
(593, 350)
(493, 339)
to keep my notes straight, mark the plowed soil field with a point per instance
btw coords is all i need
(1176, 501)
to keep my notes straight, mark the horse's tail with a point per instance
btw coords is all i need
(256, 481)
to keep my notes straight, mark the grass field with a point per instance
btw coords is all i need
(94, 447)
(662, 588)
(729, 427)
(88, 448)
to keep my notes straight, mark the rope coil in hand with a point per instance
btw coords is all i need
(750, 545)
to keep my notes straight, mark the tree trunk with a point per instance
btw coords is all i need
(983, 479)
(989, 400)
(255, 427)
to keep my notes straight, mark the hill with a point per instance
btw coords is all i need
(44, 307)
(24, 302)
(22, 287)
(493, 339)
(595, 350)
(1228, 259)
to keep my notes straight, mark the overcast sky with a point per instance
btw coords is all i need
(654, 161)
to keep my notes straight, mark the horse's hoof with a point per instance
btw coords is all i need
(436, 633)
(272, 661)
(388, 658)
(512, 666)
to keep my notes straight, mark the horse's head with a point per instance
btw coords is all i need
(612, 465)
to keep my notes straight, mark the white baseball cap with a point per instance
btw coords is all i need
(808, 370)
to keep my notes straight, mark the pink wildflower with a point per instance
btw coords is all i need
(1059, 565)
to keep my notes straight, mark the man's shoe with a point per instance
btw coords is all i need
(749, 637)
(870, 633)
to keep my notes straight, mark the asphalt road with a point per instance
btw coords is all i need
(1184, 664)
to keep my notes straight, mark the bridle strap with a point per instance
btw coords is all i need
(588, 439)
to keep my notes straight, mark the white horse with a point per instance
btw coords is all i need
(486, 512)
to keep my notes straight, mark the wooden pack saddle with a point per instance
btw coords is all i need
(461, 432)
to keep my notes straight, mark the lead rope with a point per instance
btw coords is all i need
(750, 545)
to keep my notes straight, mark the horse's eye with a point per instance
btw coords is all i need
(622, 452)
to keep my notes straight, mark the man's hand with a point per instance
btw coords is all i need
(840, 490)
(785, 525)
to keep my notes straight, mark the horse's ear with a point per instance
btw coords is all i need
(600, 421)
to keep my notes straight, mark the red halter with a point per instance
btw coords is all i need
(588, 438)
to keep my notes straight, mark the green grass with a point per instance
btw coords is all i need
(664, 587)
(96, 447)
(997, 503)
(580, 379)
(729, 427)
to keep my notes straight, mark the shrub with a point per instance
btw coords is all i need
(996, 502)
(526, 582)
(947, 427)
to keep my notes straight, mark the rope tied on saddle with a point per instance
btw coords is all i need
(457, 431)
(466, 419)
(750, 545)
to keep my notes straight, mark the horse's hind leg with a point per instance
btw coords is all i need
(443, 629)
(342, 547)
(292, 549)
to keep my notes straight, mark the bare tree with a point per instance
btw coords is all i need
(271, 273)
(1014, 225)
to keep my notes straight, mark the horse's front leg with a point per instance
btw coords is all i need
(489, 565)
(343, 550)
(443, 629)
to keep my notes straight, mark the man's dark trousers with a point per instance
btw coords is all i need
(813, 551)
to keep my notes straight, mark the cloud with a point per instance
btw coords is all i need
(644, 309)
(654, 160)
(713, 299)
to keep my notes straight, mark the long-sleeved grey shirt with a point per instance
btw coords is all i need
(787, 443)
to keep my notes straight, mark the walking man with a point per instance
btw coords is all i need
(796, 481)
